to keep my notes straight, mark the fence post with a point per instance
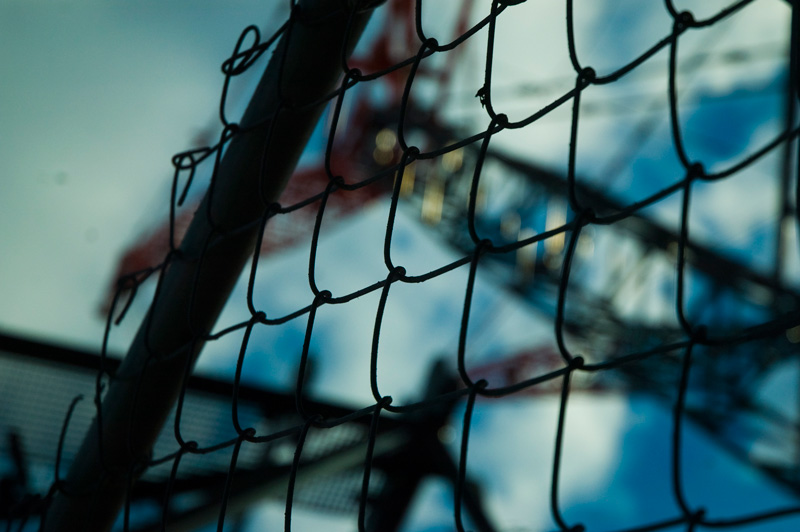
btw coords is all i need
(307, 64)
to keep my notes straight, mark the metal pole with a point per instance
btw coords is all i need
(304, 67)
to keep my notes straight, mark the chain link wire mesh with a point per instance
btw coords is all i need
(367, 433)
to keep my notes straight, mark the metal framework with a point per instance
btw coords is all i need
(403, 440)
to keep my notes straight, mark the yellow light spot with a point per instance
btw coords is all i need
(382, 157)
(556, 217)
(409, 176)
(452, 160)
(585, 244)
(510, 226)
(385, 140)
(432, 202)
(526, 255)
(480, 198)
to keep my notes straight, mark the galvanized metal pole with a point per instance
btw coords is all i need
(304, 67)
